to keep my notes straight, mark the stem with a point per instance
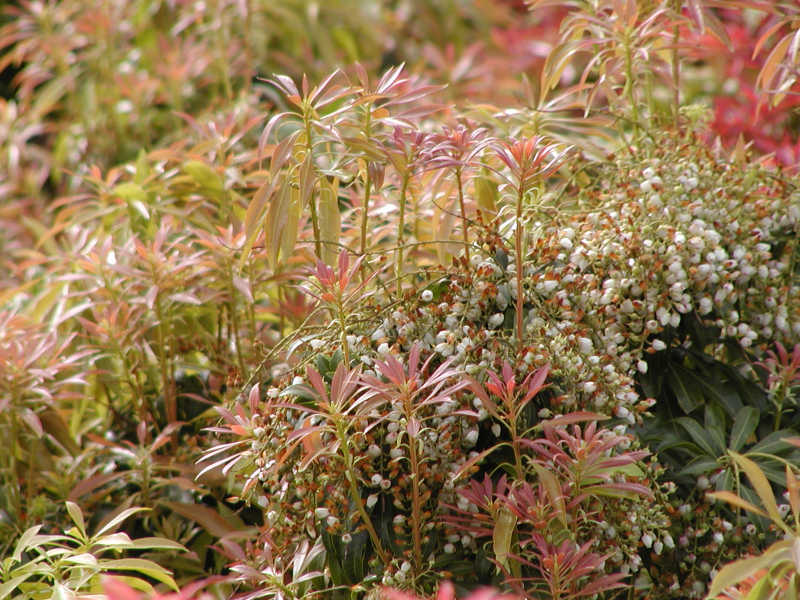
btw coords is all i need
(15, 490)
(518, 232)
(344, 443)
(556, 590)
(512, 428)
(778, 415)
(629, 88)
(365, 211)
(170, 407)
(312, 201)
(464, 226)
(416, 509)
(676, 75)
(235, 325)
(367, 185)
(343, 333)
(401, 236)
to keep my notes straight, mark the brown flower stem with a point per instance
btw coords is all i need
(518, 233)
(355, 494)
(416, 509)
(401, 237)
(464, 226)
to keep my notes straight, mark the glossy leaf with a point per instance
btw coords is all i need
(760, 484)
(743, 427)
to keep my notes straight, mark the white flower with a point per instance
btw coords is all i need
(376, 479)
(641, 366)
(647, 540)
(426, 295)
(659, 345)
(496, 320)
(585, 345)
(471, 437)
(321, 512)
(549, 285)
(372, 500)
(444, 349)
(727, 525)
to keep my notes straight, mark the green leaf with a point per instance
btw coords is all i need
(760, 484)
(505, 525)
(134, 195)
(732, 498)
(330, 220)
(699, 466)
(715, 427)
(136, 583)
(743, 427)
(713, 388)
(84, 558)
(334, 558)
(145, 567)
(43, 304)
(486, 193)
(12, 584)
(204, 176)
(26, 540)
(774, 442)
(725, 480)
(301, 391)
(118, 519)
(733, 573)
(253, 217)
(115, 540)
(157, 543)
(276, 220)
(290, 230)
(77, 517)
(62, 592)
(687, 395)
(553, 489)
(698, 434)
